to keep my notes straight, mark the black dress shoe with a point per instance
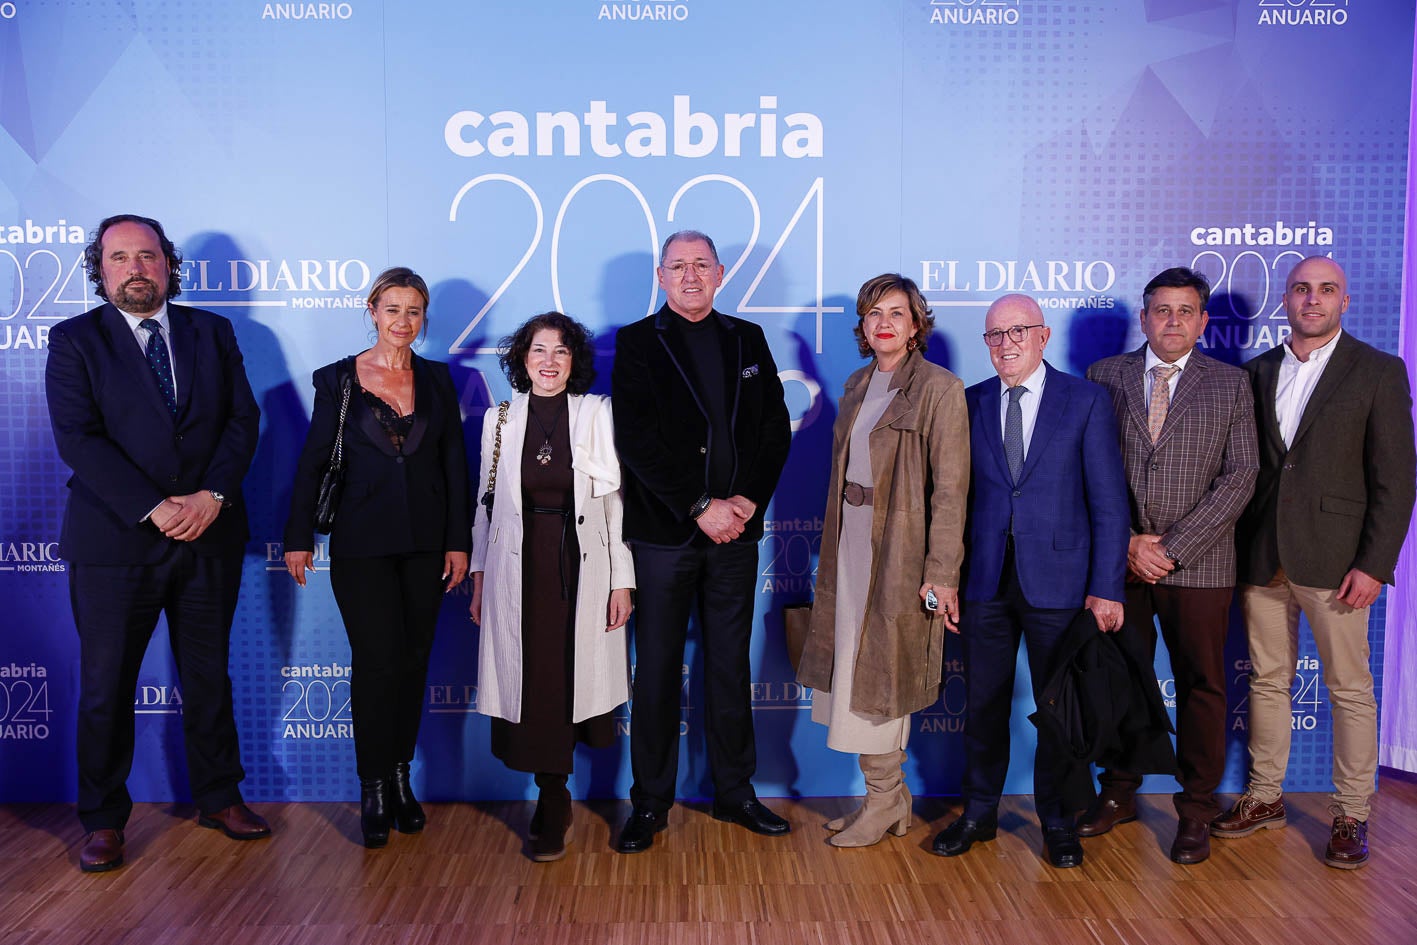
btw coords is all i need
(1061, 847)
(408, 814)
(375, 810)
(638, 833)
(752, 815)
(959, 836)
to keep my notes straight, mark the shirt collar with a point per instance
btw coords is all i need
(1033, 383)
(1319, 355)
(135, 320)
(1152, 360)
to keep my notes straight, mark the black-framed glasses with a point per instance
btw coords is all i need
(995, 336)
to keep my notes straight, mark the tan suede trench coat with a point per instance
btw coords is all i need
(920, 460)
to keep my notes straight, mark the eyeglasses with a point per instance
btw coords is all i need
(995, 337)
(677, 270)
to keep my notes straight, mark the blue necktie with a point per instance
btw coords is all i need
(1013, 432)
(156, 351)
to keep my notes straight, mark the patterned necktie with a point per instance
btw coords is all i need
(1160, 398)
(156, 350)
(1013, 432)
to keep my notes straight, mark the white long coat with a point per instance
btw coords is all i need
(602, 678)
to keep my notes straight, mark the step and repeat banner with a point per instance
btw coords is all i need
(532, 156)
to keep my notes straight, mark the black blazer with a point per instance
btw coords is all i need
(128, 452)
(662, 428)
(1341, 497)
(395, 501)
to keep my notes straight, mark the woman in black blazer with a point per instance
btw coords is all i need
(401, 535)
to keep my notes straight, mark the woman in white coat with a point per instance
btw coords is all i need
(551, 576)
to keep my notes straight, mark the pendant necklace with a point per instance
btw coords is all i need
(543, 455)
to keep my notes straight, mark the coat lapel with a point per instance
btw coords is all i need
(1266, 416)
(991, 430)
(577, 418)
(425, 405)
(184, 346)
(509, 468)
(1134, 388)
(1343, 360)
(1051, 410)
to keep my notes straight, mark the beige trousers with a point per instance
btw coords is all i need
(1341, 634)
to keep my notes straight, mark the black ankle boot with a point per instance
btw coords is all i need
(552, 819)
(374, 804)
(408, 813)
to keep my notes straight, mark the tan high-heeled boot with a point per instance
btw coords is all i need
(846, 820)
(887, 804)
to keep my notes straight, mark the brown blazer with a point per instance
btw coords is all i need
(1341, 496)
(920, 459)
(1192, 484)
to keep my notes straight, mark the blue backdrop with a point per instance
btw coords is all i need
(532, 156)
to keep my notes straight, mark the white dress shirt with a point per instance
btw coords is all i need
(1297, 380)
(1152, 361)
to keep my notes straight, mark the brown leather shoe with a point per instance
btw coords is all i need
(1347, 843)
(103, 851)
(238, 822)
(1248, 815)
(1106, 812)
(1192, 842)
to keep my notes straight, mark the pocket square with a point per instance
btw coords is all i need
(750, 371)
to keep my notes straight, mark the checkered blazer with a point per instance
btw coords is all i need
(1191, 485)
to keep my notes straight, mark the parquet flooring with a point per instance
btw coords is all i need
(467, 879)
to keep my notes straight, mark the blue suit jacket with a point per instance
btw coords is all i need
(1069, 509)
(128, 453)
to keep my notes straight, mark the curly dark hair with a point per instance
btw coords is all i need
(512, 351)
(871, 293)
(93, 253)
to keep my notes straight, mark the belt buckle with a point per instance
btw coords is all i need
(854, 494)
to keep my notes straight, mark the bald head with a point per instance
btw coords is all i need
(1315, 298)
(1022, 335)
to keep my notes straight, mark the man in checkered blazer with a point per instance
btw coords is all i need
(1189, 447)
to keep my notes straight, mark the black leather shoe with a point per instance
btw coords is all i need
(374, 810)
(752, 815)
(1061, 847)
(959, 836)
(638, 833)
(408, 813)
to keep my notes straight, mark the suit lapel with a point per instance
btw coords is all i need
(674, 347)
(576, 418)
(900, 407)
(1051, 410)
(991, 430)
(1266, 416)
(1134, 388)
(184, 347)
(130, 354)
(425, 405)
(1343, 360)
(1188, 388)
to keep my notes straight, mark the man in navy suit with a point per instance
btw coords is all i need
(152, 411)
(1048, 531)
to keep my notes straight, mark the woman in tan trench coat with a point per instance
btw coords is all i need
(892, 544)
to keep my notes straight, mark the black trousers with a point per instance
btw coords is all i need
(116, 608)
(719, 579)
(991, 631)
(1194, 623)
(390, 609)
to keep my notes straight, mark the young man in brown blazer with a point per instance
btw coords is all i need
(1331, 509)
(1188, 445)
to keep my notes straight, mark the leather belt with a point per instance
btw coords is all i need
(857, 494)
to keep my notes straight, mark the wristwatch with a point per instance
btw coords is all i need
(220, 499)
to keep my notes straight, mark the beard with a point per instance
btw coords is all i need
(138, 296)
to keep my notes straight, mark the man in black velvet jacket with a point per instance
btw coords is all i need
(702, 429)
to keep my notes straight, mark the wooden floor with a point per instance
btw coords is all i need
(467, 879)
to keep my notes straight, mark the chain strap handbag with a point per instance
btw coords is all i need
(332, 482)
(491, 493)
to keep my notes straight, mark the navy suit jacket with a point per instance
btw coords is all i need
(1071, 520)
(395, 501)
(125, 448)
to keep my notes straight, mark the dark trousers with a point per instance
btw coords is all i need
(116, 608)
(390, 609)
(991, 631)
(1194, 623)
(720, 580)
